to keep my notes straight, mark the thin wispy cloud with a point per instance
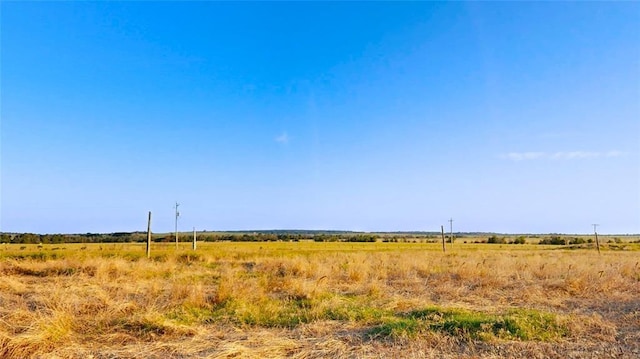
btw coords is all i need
(569, 155)
(519, 156)
(283, 138)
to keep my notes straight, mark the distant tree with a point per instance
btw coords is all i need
(5, 238)
(27, 238)
(495, 240)
(577, 240)
(520, 240)
(557, 240)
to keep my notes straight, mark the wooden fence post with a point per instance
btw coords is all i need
(149, 236)
(444, 248)
(595, 231)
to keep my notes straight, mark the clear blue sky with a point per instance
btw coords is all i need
(508, 117)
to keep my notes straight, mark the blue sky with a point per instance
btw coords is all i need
(508, 117)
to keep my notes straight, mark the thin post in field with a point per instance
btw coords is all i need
(194, 238)
(444, 248)
(176, 228)
(149, 236)
(596, 233)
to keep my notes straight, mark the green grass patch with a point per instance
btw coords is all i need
(189, 315)
(515, 324)
(396, 328)
(348, 309)
(518, 324)
(282, 312)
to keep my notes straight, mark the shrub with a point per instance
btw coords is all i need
(520, 240)
(496, 240)
(556, 240)
(577, 240)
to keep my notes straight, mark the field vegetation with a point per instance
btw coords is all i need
(311, 299)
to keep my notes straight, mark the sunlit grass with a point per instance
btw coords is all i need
(78, 298)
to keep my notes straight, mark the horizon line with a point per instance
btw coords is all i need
(330, 230)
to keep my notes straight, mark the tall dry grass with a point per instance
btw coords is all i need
(316, 300)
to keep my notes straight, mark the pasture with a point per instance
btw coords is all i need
(318, 300)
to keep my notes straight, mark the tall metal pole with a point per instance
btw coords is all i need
(596, 233)
(176, 229)
(451, 229)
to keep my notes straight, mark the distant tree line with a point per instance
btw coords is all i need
(557, 240)
(265, 236)
(121, 237)
(552, 240)
(502, 240)
(272, 236)
(31, 238)
(343, 238)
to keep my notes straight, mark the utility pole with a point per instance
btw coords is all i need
(176, 229)
(149, 236)
(451, 228)
(595, 231)
(194, 238)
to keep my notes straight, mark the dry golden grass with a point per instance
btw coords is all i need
(318, 300)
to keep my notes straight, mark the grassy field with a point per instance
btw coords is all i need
(318, 300)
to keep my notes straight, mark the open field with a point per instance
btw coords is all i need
(317, 300)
